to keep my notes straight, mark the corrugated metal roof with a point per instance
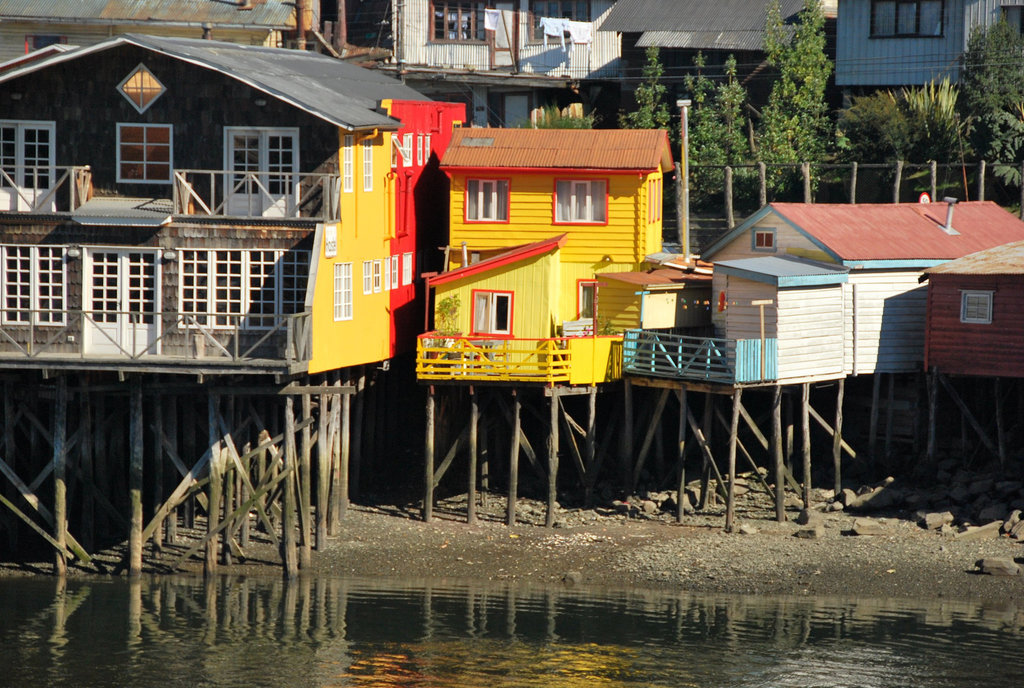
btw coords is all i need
(656, 277)
(1001, 260)
(333, 90)
(509, 257)
(270, 14)
(730, 24)
(909, 231)
(782, 266)
(604, 149)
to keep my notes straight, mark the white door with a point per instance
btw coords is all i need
(263, 166)
(121, 302)
(26, 165)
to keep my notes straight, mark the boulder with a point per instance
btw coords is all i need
(808, 518)
(936, 519)
(747, 530)
(835, 506)
(998, 566)
(1017, 532)
(1011, 520)
(649, 507)
(989, 531)
(810, 533)
(867, 526)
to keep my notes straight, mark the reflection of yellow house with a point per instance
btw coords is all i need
(536, 217)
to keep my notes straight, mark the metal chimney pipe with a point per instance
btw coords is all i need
(950, 202)
(465, 254)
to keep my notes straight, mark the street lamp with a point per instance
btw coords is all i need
(684, 157)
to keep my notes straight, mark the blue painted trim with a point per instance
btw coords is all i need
(785, 281)
(736, 231)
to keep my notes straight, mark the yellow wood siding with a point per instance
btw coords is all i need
(363, 234)
(626, 238)
(535, 297)
(618, 307)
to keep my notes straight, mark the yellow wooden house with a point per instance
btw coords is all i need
(536, 217)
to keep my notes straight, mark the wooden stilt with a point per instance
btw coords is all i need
(627, 436)
(889, 411)
(360, 403)
(214, 488)
(305, 483)
(1000, 437)
(228, 473)
(135, 479)
(291, 562)
(837, 440)
(474, 419)
(654, 424)
(734, 427)
(968, 417)
(156, 406)
(189, 446)
(60, 514)
(681, 457)
(343, 446)
(876, 385)
(485, 460)
(323, 464)
(549, 518)
(428, 454)
(513, 462)
(787, 422)
(87, 529)
(805, 432)
(780, 478)
(707, 461)
(589, 448)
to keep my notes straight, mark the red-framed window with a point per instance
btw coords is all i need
(492, 312)
(586, 298)
(487, 200)
(581, 201)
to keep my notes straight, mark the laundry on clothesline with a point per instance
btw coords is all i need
(581, 32)
(491, 18)
(556, 27)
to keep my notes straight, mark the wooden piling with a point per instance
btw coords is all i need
(135, 479)
(291, 562)
(780, 475)
(343, 446)
(87, 528)
(681, 457)
(549, 518)
(589, 448)
(214, 487)
(474, 419)
(625, 464)
(513, 462)
(428, 455)
(805, 431)
(60, 513)
(323, 464)
(305, 484)
(837, 440)
(730, 503)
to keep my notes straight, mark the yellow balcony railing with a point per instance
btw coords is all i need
(575, 360)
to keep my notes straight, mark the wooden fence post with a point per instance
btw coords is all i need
(853, 183)
(897, 182)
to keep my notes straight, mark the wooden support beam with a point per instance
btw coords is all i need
(241, 465)
(968, 416)
(552, 503)
(474, 420)
(291, 562)
(746, 454)
(707, 463)
(805, 436)
(876, 385)
(135, 478)
(590, 473)
(652, 427)
(837, 439)
(681, 457)
(705, 448)
(780, 480)
(214, 488)
(60, 457)
(570, 426)
(627, 434)
(449, 458)
(730, 502)
(513, 463)
(323, 464)
(305, 485)
(342, 445)
(428, 454)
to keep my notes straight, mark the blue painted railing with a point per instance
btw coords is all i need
(708, 359)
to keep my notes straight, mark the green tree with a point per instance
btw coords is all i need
(652, 107)
(717, 125)
(992, 87)
(794, 124)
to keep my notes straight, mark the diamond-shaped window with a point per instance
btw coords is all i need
(141, 88)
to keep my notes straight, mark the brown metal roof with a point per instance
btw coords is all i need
(263, 14)
(1001, 260)
(657, 277)
(598, 149)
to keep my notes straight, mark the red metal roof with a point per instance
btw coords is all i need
(598, 149)
(513, 255)
(911, 231)
(1001, 260)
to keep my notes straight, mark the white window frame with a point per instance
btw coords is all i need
(485, 309)
(483, 192)
(348, 164)
(407, 264)
(376, 276)
(146, 146)
(342, 291)
(44, 166)
(387, 274)
(571, 194)
(769, 244)
(33, 287)
(582, 287)
(367, 164)
(394, 271)
(976, 306)
(367, 277)
(228, 284)
(277, 180)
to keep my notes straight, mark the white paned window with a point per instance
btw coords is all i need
(367, 277)
(976, 307)
(580, 201)
(487, 200)
(144, 153)
(394, 272)
(254, 289)
(34, 285)
(492, 312)
(342, 291)
(26, 154)
(387, 274)
(347, 164)
(407, 268)
(419, 149)
(367, 164)
(585, 299)
(376, 276)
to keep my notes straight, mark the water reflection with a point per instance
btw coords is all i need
(234, 631)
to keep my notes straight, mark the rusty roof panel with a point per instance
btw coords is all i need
(909, 231)
(267, 14)
(599, 149)
(1001, 260)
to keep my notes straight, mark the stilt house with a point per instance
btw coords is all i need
(537, 216)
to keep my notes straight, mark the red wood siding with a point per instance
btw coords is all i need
(988, 350)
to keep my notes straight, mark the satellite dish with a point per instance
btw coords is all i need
(924, 198)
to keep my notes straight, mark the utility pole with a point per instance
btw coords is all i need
(684, 181)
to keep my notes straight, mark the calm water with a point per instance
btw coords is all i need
(248, 632)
